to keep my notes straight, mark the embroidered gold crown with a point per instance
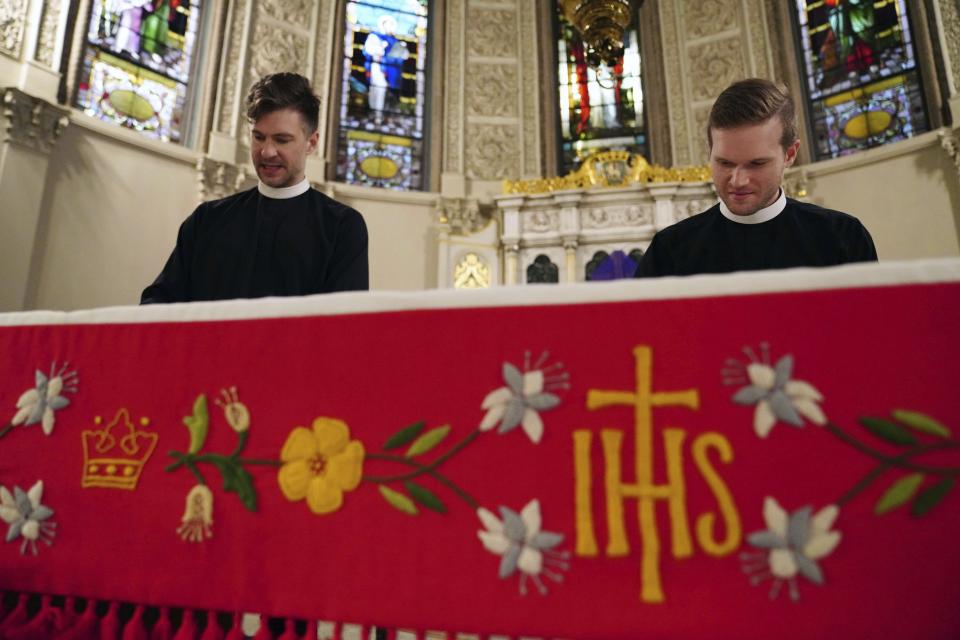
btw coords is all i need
(113, 457)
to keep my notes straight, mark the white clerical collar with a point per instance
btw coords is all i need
(763, 215)
(284, 193)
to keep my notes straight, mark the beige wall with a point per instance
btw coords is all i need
(403, 242)
(907, 195)
(109, 219)
(113, 204)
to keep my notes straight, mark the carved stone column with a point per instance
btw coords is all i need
(269, 36)
(946, 16)
(706, 46)
(29, 129)
(950, 141)
(218, 179)
(492, 95)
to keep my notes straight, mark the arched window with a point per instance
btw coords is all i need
(381, 138)
(598, 113)
(863, 83)
(136, 64)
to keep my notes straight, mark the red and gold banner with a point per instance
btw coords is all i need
(726, 466)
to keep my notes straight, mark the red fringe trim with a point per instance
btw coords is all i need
(86, 619)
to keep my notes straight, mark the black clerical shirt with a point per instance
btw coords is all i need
(802, 235)
(249, 245)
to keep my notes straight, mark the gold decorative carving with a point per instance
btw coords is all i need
(472, 272)
(709, 17)
(715, 65)
(32, 122)
(294, 12)
(492, 32)
(676, 101)
(47, 40)
(218, 179)
(795, 183)
(606, 169)
(492, 90)
(492, 151)
(453, 113)
(13, 15)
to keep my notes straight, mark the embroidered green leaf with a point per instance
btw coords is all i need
(428, 441)
(921, 422)
(931, 496)
(889, 431)
(398, 501)
(425, 497)
(237, 480)
(405, 435)
(898, 493)
(198, 423)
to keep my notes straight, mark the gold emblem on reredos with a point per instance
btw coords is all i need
(113, 457)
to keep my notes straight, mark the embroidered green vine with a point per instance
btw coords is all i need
(917, 435)
(420, 444)
(236, 478)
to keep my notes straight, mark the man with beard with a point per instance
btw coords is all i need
(281, 238)
(752, 135)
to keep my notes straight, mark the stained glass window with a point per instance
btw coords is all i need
(542, 270)
(381, 138)
(136, 64)
(598, 113)
(862, 80)
(612, 266)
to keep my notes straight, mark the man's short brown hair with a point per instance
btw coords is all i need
(754, 101)
(284, 90)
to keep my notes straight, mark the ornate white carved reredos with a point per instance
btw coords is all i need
(570, 227)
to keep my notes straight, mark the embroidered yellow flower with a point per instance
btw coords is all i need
(320, 464)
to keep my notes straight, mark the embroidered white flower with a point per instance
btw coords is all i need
(775, 395)
(794, 542)
(197, 521)
(27, 517)
(39, 404)
(521, 544)
(524, 396)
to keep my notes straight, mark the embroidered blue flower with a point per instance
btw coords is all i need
(521, 544)
(775, 395)
(40, 403)
(524, 396)
(27, 517)
(794, 542)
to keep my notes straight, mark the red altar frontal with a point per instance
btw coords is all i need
(769, 454)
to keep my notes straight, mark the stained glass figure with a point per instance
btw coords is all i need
(613, 266)
(862, 79)
(382, 100)
(137, 63)
(598, 112)
(542, 270)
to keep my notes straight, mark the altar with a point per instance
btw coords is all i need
(757, 454)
